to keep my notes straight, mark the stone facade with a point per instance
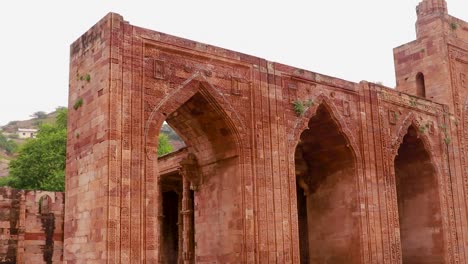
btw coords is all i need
(31, 226)
(282, 165)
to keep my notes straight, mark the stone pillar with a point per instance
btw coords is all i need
(180, 226)
(187, 218)
(160, 220)
(190, 180)
(190, 171)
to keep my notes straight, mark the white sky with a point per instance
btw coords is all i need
(352, 40)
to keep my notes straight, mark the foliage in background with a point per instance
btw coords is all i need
(7, 144)
(40, 164)
(164, 146)
(39, 115)
(166, 129)
(41, 161)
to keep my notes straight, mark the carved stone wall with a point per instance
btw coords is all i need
(242, 118)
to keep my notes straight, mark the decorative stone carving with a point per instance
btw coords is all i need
(235, 86)
(189, 170)
(392, 117)
(346, 108)
(159, 70)
(463, 80)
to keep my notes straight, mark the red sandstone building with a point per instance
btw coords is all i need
(282, 165)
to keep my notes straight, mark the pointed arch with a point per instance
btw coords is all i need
(213, 130)
(418, 197)
(420, 85)
(197, 83)
(326, 175)
(412, 120)
(302, 124)
(45, 203)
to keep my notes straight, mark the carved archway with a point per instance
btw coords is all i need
(418, 199)
(302, 124)
(213, 132)
(412, 120)
(197, 83)
(327, 192)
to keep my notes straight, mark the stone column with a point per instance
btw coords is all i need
(180, 231)
(187, 218)
(160, 220)
(190, 180)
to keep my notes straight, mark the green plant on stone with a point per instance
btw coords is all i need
(300, 107)
(447, 140)
(444, 127)
(86, 77)
(453, 26)
(78, 103)
(422, 129)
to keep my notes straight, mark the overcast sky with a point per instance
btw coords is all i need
(352, 40)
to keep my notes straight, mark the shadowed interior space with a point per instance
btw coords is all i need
(418, 202)
(171, 221)
(326, 194)
(210, 169)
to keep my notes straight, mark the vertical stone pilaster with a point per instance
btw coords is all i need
(180, 226)
(187, 219)
(159, 204)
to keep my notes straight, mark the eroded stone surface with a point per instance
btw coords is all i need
(31, 226)
(246, 195)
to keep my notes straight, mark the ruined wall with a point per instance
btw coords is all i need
(10, 217)
(31, 226)
(242, 118)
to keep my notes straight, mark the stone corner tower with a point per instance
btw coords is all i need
(423, 67)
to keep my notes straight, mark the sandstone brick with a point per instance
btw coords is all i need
(333, 181)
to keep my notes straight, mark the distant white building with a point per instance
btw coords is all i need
(27, 132)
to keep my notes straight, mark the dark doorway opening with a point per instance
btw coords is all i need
(170, 229)
(327, 203)
(418, 202)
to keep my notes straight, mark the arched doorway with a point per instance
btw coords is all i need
(202, 201)
(326, 194)
(418, 202)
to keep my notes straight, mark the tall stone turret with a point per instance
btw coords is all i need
(422, 67)
(430, 17)
(430, 7)
(435, 66)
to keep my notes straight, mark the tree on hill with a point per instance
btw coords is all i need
(40, 164)
(41, 161)
(39, 115)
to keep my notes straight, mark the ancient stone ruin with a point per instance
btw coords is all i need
(282, 165)
(31, 226)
